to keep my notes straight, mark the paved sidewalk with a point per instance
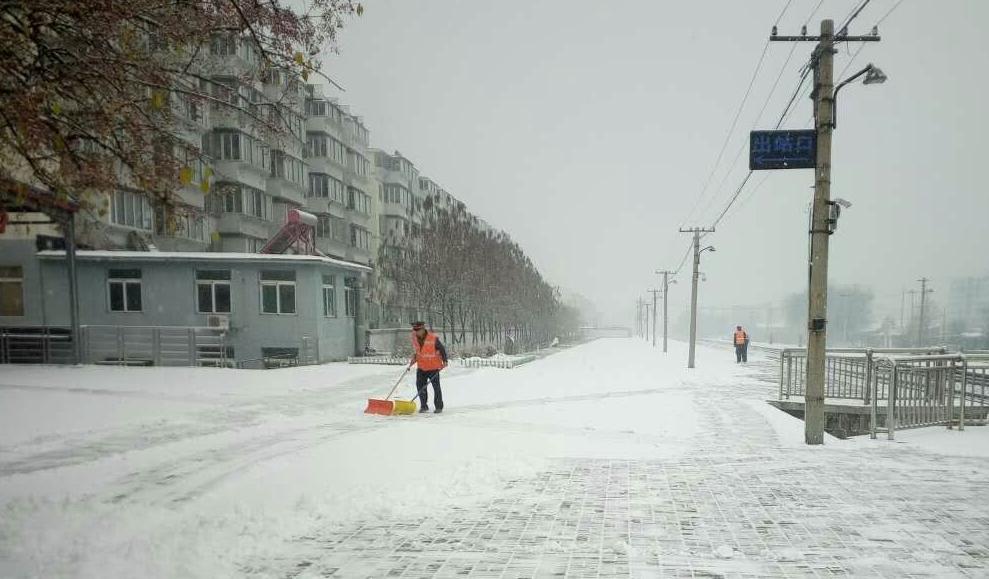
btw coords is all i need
(738, 504)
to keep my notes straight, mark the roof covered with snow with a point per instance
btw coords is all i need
(98, 255)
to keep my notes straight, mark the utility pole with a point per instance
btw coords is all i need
(903, 295)
(654, 292)
(638, 317)
(666, 293)
(693, 288)
(645, 321)
(921, 330)
(823, 95)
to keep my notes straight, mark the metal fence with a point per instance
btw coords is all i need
(154, 346)
(116, 345)
(848, 371)
(36, 345)
(905, 388)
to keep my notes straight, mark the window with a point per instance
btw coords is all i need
(358, 163)
(130, 210)
(358, 201)
(213, 291)
(225, 145)
(316, 145)
(257, 204)
(223, 45)
(286, 167)
(324, 226)
(339, 226)
(338, 152)
(124, 288)
(350, 296)
(255, 244)
(329, 297)
(242, 199)
(319, 185)
(325, 186)
(236, 146)
(360, 237)
(11, 290)
(185, 223)
(277, 292)
(316, 108)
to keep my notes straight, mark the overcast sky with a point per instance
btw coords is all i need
(587, 131)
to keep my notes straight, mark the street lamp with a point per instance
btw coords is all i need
(873, 75)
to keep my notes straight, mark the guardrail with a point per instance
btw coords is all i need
(847, 371)
(919, 387)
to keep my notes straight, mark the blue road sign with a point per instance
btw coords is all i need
(782, 150)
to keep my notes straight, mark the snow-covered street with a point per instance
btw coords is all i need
(608, 459)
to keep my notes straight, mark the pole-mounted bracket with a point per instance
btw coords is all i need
(817, 325)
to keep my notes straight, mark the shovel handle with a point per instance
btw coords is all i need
(399, 381)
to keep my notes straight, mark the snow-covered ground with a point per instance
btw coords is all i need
(607, 459)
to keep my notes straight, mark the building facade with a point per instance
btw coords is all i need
(300, 306)
(263, 144)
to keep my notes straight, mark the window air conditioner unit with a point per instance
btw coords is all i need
(218, 322)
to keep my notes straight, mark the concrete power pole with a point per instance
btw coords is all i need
(693, 289)
(638, 317)
(645, 321)
(823, 64)
(818, 306)
(666, 293)
(921, 330)
(654, 292)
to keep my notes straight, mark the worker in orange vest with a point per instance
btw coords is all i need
(430, 355)
(741, 341)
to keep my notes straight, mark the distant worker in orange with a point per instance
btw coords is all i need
(741, 341)
(430, 355)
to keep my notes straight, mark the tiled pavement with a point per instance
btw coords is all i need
(736, 505)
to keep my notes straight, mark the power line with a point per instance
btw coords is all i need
(731, 129)
(843, 30)
(765, 104)
(783, 117)
(734, 122)
(733, 198)
(684, 260)
(890, 11)
(862, 46)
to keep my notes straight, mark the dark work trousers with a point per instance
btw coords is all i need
(741, 353)
(424, 376)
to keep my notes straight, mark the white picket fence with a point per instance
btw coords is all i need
(387, 360)
(505, 362)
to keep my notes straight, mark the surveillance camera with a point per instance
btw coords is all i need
(842, 202)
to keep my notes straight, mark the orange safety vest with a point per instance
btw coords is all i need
(427, 357)
(740, 337)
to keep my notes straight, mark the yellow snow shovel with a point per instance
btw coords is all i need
(388, 407)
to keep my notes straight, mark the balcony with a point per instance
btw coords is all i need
(284, 190)
(240, 224)
(241, 172)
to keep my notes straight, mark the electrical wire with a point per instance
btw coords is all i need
(765, 104)
(890, 11)
(734, 122)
